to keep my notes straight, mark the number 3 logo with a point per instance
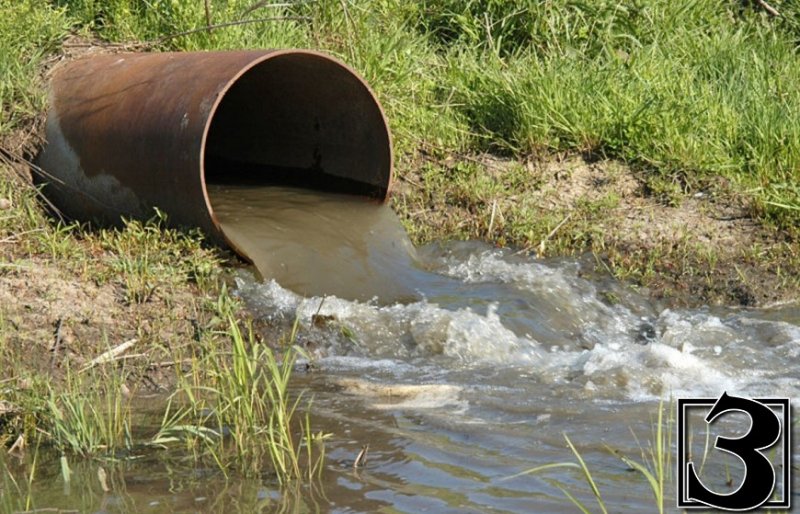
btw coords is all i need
(759, 475)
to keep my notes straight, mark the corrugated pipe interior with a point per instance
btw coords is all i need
(130, 132)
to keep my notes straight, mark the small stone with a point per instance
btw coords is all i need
(5, 203)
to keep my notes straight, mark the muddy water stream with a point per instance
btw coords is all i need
(321, 244)
(461, 365)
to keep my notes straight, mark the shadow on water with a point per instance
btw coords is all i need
(410, 467)
(155, 485)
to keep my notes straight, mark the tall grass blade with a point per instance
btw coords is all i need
(544, 467)
(587, 474)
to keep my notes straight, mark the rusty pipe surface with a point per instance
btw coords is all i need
(130, 132)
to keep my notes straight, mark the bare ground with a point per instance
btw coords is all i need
(54, 319)
(60, 310)
(69, 295)
(701, 247)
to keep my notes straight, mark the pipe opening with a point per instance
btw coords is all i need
(130, 132)
(299, 119)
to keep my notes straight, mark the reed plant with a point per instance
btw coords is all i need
(656, 458)
(90, 415)
(238, 410)
(17, 493)
(233, 407)
(654, 467)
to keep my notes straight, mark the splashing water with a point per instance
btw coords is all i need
(484, 345)
(517, 316)
(466, 305)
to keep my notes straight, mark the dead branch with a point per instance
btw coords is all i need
(110, 355)
(764, 5)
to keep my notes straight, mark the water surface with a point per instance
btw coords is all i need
(320, 243)
(462, 365)
(488, 357)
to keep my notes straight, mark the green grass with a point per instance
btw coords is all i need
(675, 87)
(89, 420)
(29, 31)
(240, 413)
(164, 289)
(655, 466)
(693, 88)
(232, 408)
(146, 257)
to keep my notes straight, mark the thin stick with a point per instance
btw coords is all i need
(208, 17)
(540, 250)
(47, 510)
(266, 3)
(168, 364)
(764, 5)
(125, 46)
(489, 32)
(491, 219)
(321, 303)
(361, 458)
(228, 24)
(15, 237)
(10, 158)
(12, 265)
(351, 28)
(110, 355)
(57, 344)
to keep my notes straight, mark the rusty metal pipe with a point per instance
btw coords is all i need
(130, 132)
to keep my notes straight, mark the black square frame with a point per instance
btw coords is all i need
(786, 440)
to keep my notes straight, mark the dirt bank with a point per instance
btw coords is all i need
(687, 246)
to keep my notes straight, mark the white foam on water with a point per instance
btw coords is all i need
(569, 301)
(344, 362)
(651, 372)
(418, 329)
(684, 353)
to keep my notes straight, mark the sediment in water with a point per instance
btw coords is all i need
(317, 243)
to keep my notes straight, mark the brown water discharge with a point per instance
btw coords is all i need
(317, 243)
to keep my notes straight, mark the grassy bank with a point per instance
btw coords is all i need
(95, 322)
(693, 99)
(682, 90)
